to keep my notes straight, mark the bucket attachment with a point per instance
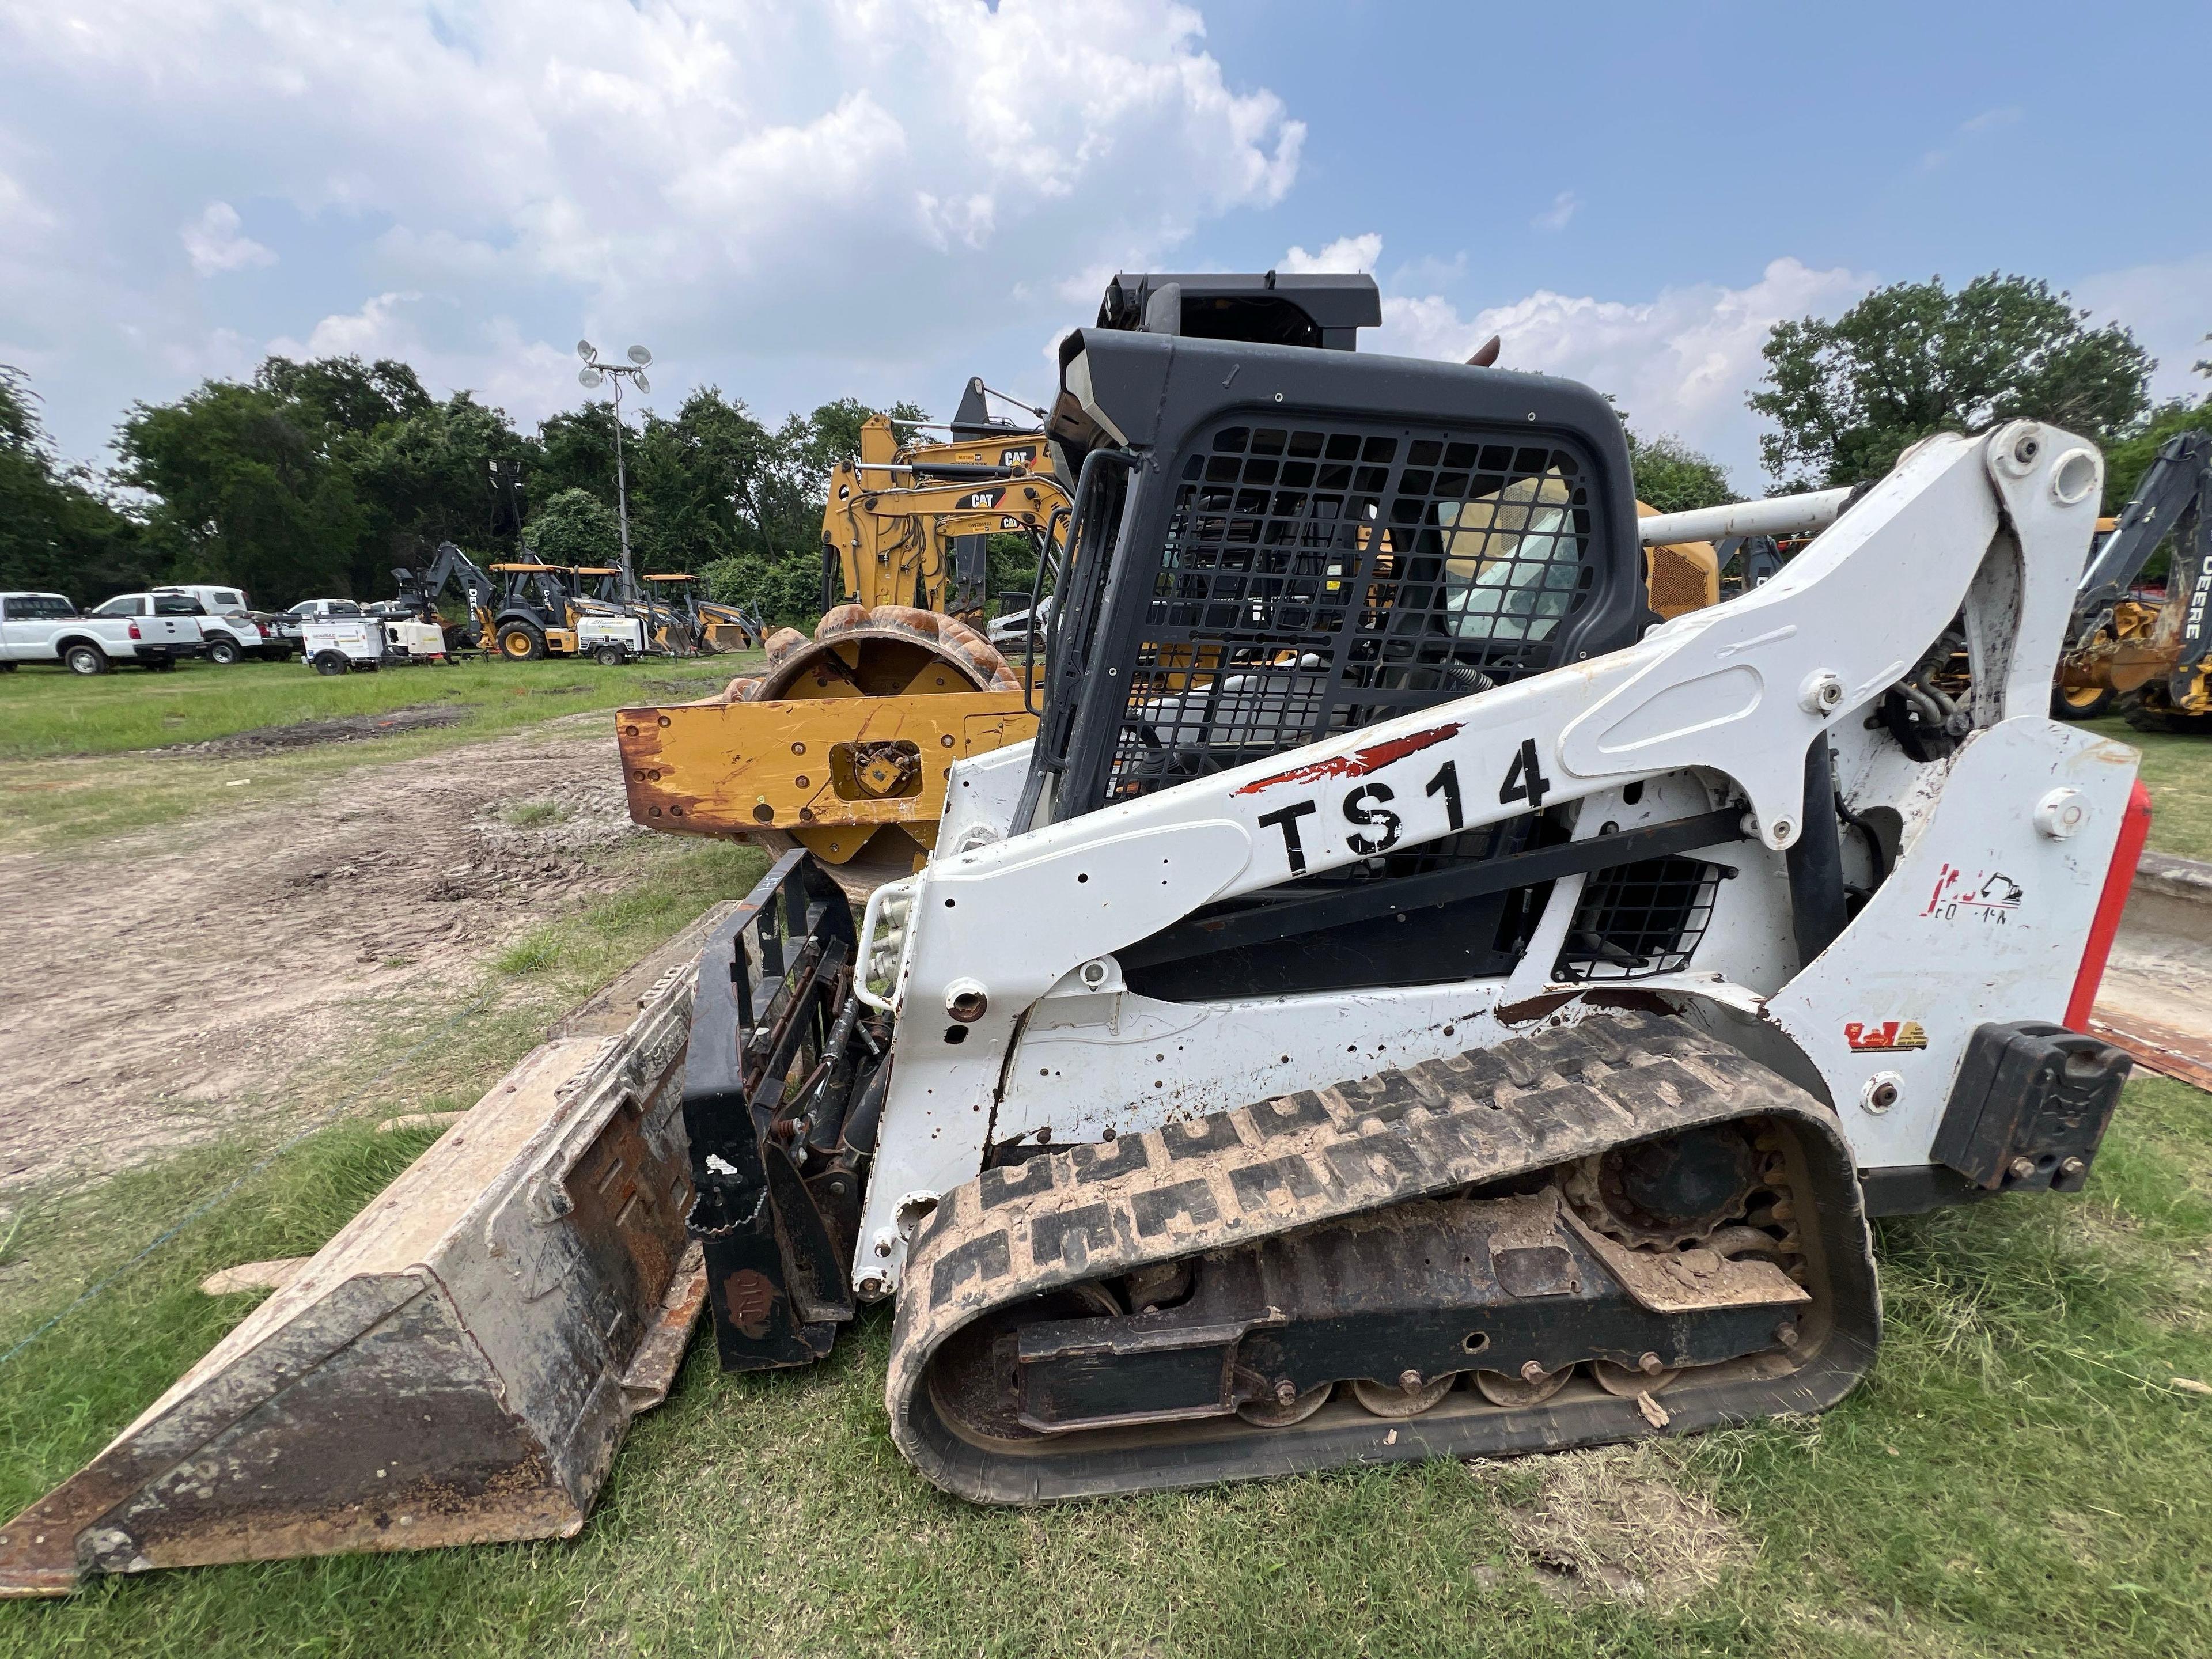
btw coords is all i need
(456, 1366)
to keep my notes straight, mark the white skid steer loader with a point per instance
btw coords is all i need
(1405, 1002)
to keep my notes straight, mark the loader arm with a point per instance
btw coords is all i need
(1714, 713)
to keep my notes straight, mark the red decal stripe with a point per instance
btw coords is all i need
(1360, 762)
(2135, 830)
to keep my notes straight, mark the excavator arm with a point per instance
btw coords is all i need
(476, 587)
(891, 545)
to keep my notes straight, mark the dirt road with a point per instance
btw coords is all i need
(158, 986)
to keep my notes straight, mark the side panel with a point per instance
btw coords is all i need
(1984, 918)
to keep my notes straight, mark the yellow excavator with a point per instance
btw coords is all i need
(842, 741)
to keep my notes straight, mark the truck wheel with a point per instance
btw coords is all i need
(85, 660)
(521, 643)
(222, 651)
(329, 662)
(609, 656)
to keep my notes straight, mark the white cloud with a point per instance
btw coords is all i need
(379, 329)
(1555, 216)
(214, 243)
(842, 186)
(2168, 308)
(1345, 253)
(1678, 362)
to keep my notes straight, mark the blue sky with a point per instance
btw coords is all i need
(796, 202)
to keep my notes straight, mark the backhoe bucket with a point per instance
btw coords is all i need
(457, 1366)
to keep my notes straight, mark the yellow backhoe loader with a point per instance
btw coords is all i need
(541, 611)
(2145, 652)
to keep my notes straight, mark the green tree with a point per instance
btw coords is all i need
(1674, 477)
(2127, 460)
(440, 471)
(343, 396)
(1849, 396)
(247, 492)
(575, 527)
(58, 532)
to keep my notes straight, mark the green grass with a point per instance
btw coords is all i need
(534, 814)
(46, 712)
(2018, 1477)
(73, 763)
(2178, 770)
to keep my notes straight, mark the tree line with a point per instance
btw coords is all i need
(318, 478)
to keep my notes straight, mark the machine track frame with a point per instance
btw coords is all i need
(1265, 1171)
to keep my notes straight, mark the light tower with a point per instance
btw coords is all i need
(593, 375)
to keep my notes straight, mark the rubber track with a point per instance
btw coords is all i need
(1221, 1182)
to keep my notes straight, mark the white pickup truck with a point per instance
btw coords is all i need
(231, 628)
(47, 628)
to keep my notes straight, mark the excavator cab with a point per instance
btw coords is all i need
(543, 610)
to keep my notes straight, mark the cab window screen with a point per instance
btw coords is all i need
(1315, 578)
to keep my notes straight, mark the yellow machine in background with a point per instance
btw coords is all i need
(880, 542)
(2149, 654)
(1680, 577)
(715, 627)
(843, 742)
(542, 611)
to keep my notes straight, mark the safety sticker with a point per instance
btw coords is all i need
(1989, 897)
(1887, 1034)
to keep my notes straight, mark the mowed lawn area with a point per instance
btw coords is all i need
(2028, 1471)
(131, 749)
(47, 713)
(2177, 768)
